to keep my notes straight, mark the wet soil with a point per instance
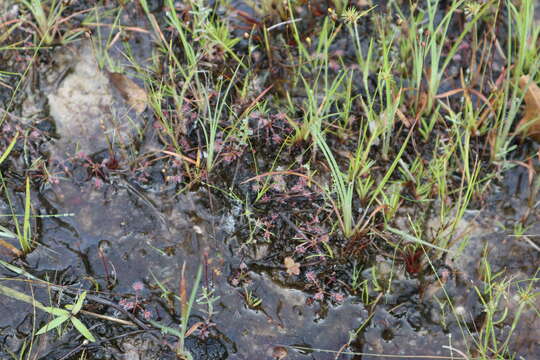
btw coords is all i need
(120, 223)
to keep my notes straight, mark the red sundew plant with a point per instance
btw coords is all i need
(272, 128)
(136, 304)
(137, 286)
(96, 169)
(312, 244)
(241, 276)
(320, 293)
(318, 236)
(111, 163)
(337, 297)
(42, 174)
(98, 183)
(413, 260)
(301, 186)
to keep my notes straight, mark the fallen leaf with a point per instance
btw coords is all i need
(293, 268)
(193, 328)
(279, 353)
(530, 123)
(11, 248)
(363, 3)
(132, 93)
(403, 118)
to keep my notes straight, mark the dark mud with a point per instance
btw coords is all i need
(119, 223)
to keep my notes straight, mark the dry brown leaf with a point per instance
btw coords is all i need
(293, 268)
(11, 248)
(132, 93)
(193, 328)
(530, 123)
(279, 353)
(403, 118)
(363, 3)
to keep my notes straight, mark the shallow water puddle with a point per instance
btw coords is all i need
(127, 228)
(117, 239)
(284, 319)
(125, 240)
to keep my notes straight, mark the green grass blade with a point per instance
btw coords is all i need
(416, 240)
(18, 270)
(4, 232)
(25, 240)
(192, 296)
(9, 148)
(15, 294)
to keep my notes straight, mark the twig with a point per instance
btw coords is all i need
(291, 21)
(530, 242)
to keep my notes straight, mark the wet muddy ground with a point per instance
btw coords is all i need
(112, 220)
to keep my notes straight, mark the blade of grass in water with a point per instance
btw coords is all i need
(25, 240)
(9, 148)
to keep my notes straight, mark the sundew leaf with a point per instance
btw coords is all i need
(82, 329)
(53, 324)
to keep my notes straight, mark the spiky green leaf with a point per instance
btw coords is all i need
(78, 305)
(56, 311)
(82, 329)
(54, 323)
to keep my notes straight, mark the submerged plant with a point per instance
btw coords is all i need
(64, 315)
(23, 231)
(61, 315)
(252, 301)
(24, 235)
(185, 311)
